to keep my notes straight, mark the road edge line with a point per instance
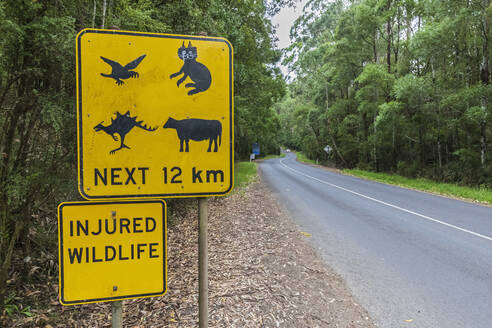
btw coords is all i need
(476, 234)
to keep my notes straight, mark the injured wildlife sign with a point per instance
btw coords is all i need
(111, 250)
(155, 115)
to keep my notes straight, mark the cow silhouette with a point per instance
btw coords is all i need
(197, 130)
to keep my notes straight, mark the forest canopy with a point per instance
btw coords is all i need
(38, 94)
(401, 86)
(393, 85)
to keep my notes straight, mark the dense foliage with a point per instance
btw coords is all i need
(37, 100)
(393, 85)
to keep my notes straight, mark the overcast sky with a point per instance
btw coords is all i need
(285, 19)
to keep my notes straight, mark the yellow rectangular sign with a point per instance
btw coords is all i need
(155, 115)
(111, 251)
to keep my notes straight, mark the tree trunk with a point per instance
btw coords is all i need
(104, 13)
(6, 224)
(421, 147)
(366, 137)
(94, 15)
(374, 149)
(418, 60)
(484, 78)
(408, 31)
(5, 265)
(336, 149)
(397, 47)
(394, 153)
(483, 138)
(375, 47)
(388, 45)
(13, 160)
(439, 152)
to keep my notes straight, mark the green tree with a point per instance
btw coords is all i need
(396, 85)
(37, 97)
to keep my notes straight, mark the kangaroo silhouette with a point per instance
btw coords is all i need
(121, 125)
(120, 72)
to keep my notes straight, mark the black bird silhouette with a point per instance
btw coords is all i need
(122, 72)
(121, 125)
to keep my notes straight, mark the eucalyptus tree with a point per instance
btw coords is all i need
(404, 85)
(37, 97)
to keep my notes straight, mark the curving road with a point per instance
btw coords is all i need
(412, 259)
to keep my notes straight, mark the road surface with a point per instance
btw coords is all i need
(412, 259)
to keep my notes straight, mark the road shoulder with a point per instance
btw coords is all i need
(262, 273)
(430, 192)
(264, 270)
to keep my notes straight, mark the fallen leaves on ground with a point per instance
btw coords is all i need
(262, 273)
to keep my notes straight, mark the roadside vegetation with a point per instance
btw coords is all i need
(301, 157)
(391, 86)
(38, 112)
(244, 174)
(282, 155)
(479, 194)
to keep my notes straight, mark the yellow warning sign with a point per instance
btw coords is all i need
(155, 115)
(111, 250)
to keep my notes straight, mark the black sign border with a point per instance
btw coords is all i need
(121, 297)
(79, 116)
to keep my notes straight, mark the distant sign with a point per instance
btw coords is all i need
(256, 148)
(111, 250)
(155, 115)
(327, 149)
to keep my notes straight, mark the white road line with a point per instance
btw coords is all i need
(390, 205)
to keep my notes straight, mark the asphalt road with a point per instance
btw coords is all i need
(412, 259)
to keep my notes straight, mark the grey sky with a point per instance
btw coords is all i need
(285, 19)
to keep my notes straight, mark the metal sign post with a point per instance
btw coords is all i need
(116, 306)
(203, 262)
(117, 313)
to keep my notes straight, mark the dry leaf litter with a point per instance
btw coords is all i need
(262, 273)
